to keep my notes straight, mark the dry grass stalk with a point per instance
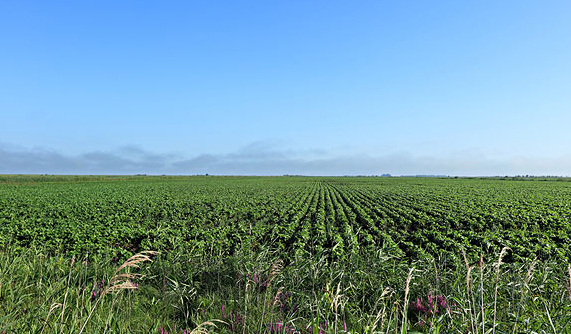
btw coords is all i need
(67, 290)
(134, 260)
(468, 279)
(276, 269)
(335, 300)
(82, 278)
(203, 329)
(469, 296)
(381, 314)
(549, 317)
(502, 254)
(52, 308)
(405, 305)
(436, 277)
(122, 281)
(334, 297)
(278, 296)
(465, 259)
(481, 265)
(569, 290)
(468, 293)
(530, 272)
(500, 258)
(246, 287)
(526, 284)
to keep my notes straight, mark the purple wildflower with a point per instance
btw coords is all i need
(257, 279)
(278, 328)
(418, 306)
(97, 289)
(284, 303)
(234, 319)
(441, 301)
(321, 327)
(423, 310)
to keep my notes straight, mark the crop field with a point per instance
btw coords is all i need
(411, 217)
(284, 254)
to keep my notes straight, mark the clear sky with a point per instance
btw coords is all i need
(285, 87)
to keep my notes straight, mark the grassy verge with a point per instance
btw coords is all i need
(185, 291)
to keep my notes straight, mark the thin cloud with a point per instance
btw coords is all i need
(16, 160)
(266, 158)
(272, 161)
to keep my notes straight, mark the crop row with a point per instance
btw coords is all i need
(409, 217)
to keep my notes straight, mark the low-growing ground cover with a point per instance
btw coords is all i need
(284, 255)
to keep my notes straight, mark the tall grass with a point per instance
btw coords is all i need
(266, 292)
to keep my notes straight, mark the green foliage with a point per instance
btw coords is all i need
(114, 217)
(255, 292)
(276, 254)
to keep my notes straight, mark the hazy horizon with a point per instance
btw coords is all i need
(474, 88)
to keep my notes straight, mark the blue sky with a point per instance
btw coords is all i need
(285, 87)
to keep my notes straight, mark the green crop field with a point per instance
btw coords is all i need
(284, 254)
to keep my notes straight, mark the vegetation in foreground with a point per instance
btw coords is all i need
(355, 255)
(188, 292)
